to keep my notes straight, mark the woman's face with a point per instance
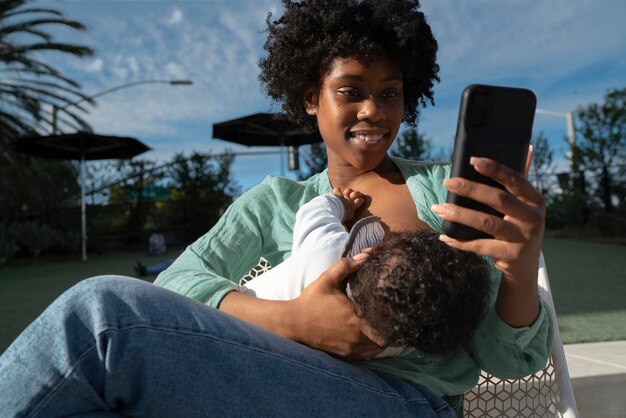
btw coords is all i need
(359, 109)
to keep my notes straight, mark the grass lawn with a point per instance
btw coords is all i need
(25, 291)
(588, 283)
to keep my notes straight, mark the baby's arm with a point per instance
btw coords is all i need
(351, 199)
(318, 239)
(319, 223)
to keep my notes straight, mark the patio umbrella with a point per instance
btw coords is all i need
(80, 146)
(265, 129)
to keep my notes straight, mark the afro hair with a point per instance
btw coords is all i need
(302, 44)
(418, 292)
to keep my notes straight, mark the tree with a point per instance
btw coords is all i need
(602, 147)
(542, 165)
(198, 189)
(412, 145)
(29, 87)
(137, 175)
(30, 193)
(202, 189)
(315, 159)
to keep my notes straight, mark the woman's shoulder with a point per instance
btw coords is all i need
(274, 190)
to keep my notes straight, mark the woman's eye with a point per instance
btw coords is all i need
(390, 94)
(349, 92)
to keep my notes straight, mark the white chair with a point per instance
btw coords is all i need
(547, 393)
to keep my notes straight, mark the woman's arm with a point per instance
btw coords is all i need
(210, 267)
(514, 339)
(321, 317)
(208, 270)
(517, 239)
(318, 240)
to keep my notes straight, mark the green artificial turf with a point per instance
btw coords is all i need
(26, 289)
(588, 283)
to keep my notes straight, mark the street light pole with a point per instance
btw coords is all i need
(571, 133)
(56, 109)
(53, 130)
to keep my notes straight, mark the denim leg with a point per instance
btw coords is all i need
(128, 347)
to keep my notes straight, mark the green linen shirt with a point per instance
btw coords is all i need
(260, 223)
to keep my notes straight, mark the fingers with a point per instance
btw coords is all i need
(490, 224)
(357, 199)
(523, 210)
(354, 197)
(498, 199)
(370, 343)
(341, 269)
(512, 181)
(369, 332)
(529, 160)
(352, 200)
(486, 247)
(370, 250)
(369, 351)
(514, 200)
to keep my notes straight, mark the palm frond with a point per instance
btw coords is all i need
(22, 26)
(30, 88)
(35, 72)
(79, 51)
(28, 83)
(8, 5)
(33, 65)
(31, 10)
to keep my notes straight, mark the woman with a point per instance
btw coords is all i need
(356, 70)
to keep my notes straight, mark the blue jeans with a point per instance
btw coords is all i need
(114, 346)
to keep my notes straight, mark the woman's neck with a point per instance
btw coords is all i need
(345, 176)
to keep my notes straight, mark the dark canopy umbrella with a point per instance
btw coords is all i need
(265, 129)
(80, 146)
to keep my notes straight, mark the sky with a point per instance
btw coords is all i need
(569, 52)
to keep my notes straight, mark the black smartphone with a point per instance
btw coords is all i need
(494, 122)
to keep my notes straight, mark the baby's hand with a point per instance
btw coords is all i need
(351, 199)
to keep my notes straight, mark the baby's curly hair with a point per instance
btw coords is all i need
(304, 41)
(416, 291)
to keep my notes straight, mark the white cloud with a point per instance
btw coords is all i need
(175, 71)
(175, 17)
(568, 51)
(94, 66)
(124, 67)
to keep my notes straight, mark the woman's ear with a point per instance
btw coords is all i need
(310, 102)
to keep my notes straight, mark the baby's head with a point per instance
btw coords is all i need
(303, 43)
(416, 291)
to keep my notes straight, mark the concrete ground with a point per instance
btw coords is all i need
(598, 374)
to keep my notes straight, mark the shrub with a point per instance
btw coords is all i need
(33, 238)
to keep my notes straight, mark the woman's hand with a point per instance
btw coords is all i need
(326, 318)
(517, 240)
(322, 317)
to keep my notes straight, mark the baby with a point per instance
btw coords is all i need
(414, 292)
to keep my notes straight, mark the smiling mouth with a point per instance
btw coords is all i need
(369, 138)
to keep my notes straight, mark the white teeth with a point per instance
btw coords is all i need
(368, 138)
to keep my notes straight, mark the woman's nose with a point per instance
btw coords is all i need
(371, 110)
